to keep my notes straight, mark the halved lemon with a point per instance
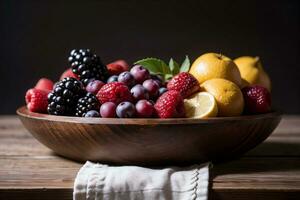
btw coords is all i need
(201, 105)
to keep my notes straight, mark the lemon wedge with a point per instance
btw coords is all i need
(201, 105)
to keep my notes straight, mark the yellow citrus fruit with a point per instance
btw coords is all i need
(252, 72)
(201, 105)
(228, 96)
(213, 65)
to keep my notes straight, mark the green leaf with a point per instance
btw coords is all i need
(151, 64)
(154, 65)
(185, 66)
(174, 67)
(168, 76)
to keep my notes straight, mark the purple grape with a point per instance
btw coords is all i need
(113, 78)
(152, 87)
(125, 110)
(126, 78)
(139, 92)
(162, 90)
(94, 86)
(140, 73)
(108, 110)
(92, 113)
(144, 108)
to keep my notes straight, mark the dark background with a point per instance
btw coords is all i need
(36, 37)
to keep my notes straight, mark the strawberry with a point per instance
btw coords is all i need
(117, 67)
(115, 92)
(257, 99)
(44, 84)
(123, 63)
(170, 105)
(185, 83)
(37, 100)
(68, 73)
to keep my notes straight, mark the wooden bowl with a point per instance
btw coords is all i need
(149, 141)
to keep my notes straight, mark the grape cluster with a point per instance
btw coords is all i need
(144, 88)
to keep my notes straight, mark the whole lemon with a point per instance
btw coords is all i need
(228, 95)
(213, 65)
(252, 72)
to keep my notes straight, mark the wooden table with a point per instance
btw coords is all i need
(28, 170)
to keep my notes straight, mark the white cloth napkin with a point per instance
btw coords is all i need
(103, 182)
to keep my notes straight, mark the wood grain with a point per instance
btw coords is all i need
(31, 171)
(149, 141)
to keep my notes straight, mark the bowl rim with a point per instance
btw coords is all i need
(24, 112)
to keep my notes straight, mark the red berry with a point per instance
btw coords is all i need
(117, 67)
(123, 63)
(115, 92)
(140, 73)
(37, 100)
(44, 84)
(144, 108)
(152, 87)
(185, 83)
(68, 73)
(108, 110)
(170, 105)
(257, 99)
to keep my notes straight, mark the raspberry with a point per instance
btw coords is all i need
(185, 83)
(115, 92)
(170, 105)
(37, 100)
(68, 73)
(257, 99)
(44, 84)
(115, 69)
(123, 63)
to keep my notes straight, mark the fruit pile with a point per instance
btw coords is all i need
(214, 85)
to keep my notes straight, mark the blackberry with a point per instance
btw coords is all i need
(63, 99)
(87, 66)
(87, 103)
